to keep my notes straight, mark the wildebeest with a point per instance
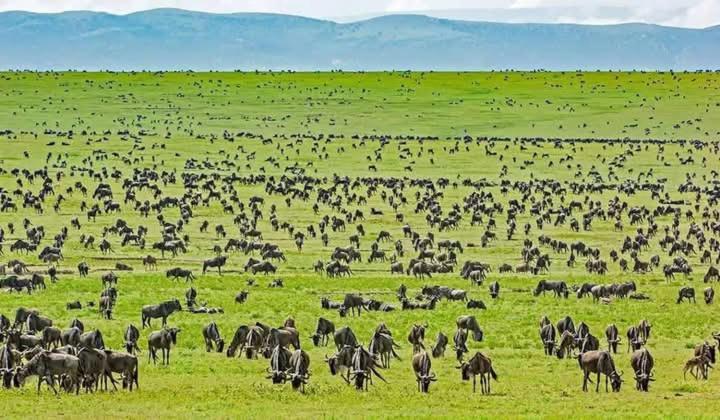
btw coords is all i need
(299, 369)
(211, 335)
(709, 294)
(481, 365)
(163, 340)
(131, 337)
(438, 350)
(353, 302)
(179, 273)
(92, 340)
(421, 364)
(383, 346)
(279, 364)
(47, 365)
(163, 310)
(460, 343)
(613, 338)
(344, 337)
(416, 337)
(469, 322)
(599, 362)
(238, 341)
(547, 335)
(686, 292)
(125, 364)
(642, 363)
(364, 366)
(559, 288)
(216, 262)
(342, 361)
(322, 332)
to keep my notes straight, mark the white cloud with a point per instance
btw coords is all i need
(689, 13)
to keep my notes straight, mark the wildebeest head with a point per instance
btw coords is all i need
(616, 381)
(315, 339)
(425, 380)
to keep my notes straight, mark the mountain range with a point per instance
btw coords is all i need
(172, 39)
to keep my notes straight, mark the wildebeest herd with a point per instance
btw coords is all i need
(161, 247)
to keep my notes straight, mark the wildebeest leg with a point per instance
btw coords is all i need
(474, 378)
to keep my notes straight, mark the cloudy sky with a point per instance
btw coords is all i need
(687, 13)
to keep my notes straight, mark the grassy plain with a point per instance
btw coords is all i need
(125, 115)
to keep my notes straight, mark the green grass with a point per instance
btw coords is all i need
(194, 107)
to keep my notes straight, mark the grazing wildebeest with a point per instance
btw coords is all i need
(709, 294)
(341, 361)
(566, 345)
(642, 363)
(559, 288)
(71, 336)
(284, 337)
(51, 336)
(254, 341)
(322, 332)
(644, 331)
(469, 322)
(364, 365)
(416, 337)
(547, 335)
(35, 322)
(279, 364)
(163, 340)
(421, 364)
(218, 262)
(686, 292)
(21, 316)
(566, 324)
(613, 337)
(211, 335)
(131, 336)
(599, 362)
(163, 310)
(238, 341)
(299, 369)
(475, 304)
(241, 297)
(47, 365)
(481, 365)
(438, 350)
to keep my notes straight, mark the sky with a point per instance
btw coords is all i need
(684, 13)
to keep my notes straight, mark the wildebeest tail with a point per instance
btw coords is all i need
(377, 374)
(493, 374)
(395, 354)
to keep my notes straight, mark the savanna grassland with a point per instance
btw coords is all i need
(600, 135)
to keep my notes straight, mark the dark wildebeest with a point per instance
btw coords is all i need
(132, 335)
(383, 345)
(254, 341)
(35, 322)
(634, 341)
(642, 363)
(709, 295)
(416, 337)
(686, 292)
(460, 343)
(180, 273)
(599, 362)
(241, 297)
(481, 365)
(322, 332)
(341, 361)
(211, 335)
(494, 290)
(547, 335)
(559, 288)
(566, 345)
(364, 365)
(421, 364)
(613, 337)
(163, 310)
(92, 340)
(279, 364)
(71, 336)
(238, 341)
(438, 350)
(299, 369)
(47, 365)
(163, 340)
(351, 303)
(345, 337)
(51, 336)
(644, 331)
(566, 324)
(469, 323)
(283, 337)
(475, 304)
(124, 364)
(218, 262)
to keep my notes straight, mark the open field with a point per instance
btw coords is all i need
(294, 132)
